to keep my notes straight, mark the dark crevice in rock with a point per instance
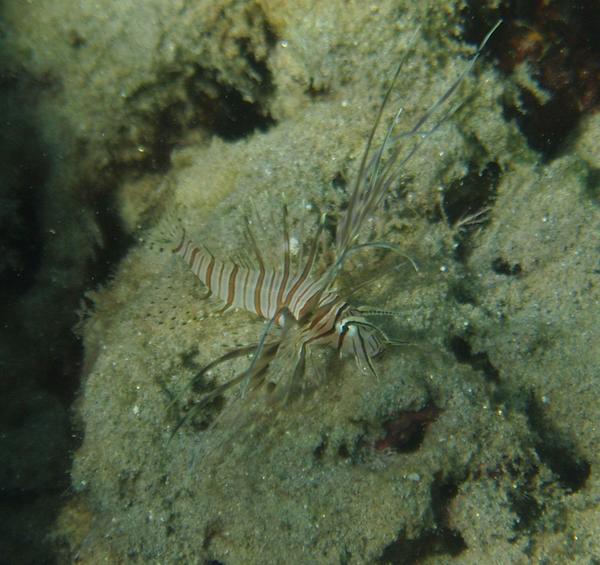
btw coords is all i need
(339, 183)
(230, 107)
(462, 291)
(560, 44)
(556, 450)
(471, 194)
(434, 542)
(115, 240)
(461, 349)
(223, 110)
(501, 266)
(438, 541)
(314, 91)
(319, 451)
(593, 185)
(46, 267)
(25, 171)
(544, 125)
(465, 203)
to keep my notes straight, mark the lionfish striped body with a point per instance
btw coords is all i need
(305, 307)
(271, 294)
(261, 291)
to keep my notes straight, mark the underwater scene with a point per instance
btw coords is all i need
(300, 282)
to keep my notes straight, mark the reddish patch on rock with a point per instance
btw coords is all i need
(557, 39)
(404, 432)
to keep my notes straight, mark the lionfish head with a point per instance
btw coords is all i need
(360, 338)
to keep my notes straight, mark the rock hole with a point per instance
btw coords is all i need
(561, 47)
(472, 193)
(116, 241)
(317, 91)
(223, 110)
(213, 529)
(188, 359)
(465, 202)
(202, 419)
(593, 185)
(339, 182)
(461, 349)
(438, 541)
(319, 451)
(501, 266)
(462, 293)
(555, 450)
(343, 451)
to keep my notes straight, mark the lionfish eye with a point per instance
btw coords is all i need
(345, 326)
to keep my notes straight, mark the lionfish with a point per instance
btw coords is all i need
(306, 309)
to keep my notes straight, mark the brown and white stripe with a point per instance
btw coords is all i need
(263, 290)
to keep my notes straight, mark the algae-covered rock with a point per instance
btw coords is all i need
(476, 439)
